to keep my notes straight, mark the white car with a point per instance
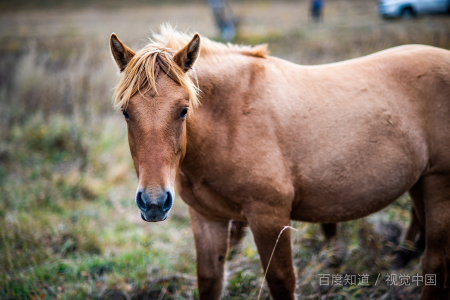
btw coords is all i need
(410, 8)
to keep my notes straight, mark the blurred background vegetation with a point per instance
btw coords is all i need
(69, 228)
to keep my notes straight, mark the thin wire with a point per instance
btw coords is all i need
(273, 251)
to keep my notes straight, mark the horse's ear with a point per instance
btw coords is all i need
(186, 57)
(121, 53)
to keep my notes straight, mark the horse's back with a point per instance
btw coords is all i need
(400, 94)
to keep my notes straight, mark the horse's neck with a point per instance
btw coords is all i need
(221, 83)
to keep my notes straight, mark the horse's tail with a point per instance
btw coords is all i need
(237, 232)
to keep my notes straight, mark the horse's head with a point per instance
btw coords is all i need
(155, 95)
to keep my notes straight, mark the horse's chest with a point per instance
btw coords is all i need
(207, 200)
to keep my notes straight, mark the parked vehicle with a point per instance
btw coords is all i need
(410, 8)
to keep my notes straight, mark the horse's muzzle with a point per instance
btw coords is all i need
(154, 209)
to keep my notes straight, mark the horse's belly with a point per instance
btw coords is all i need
(342, 207)
(346, 192)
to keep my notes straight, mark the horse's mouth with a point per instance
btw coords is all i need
(152, 221)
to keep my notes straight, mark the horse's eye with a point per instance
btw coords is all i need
(184, 113)
(125, 114)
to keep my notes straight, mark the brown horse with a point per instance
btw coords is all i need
(274, 141)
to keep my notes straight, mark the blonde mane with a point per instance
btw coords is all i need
(146, 64)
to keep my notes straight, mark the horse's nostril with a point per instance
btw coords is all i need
(140, 202)
(168, 202)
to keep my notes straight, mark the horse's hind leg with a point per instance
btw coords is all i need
(435, 261)
(409, 246)
(446, 293)
(418, 215)
(408, 250)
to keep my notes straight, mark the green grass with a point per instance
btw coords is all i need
(61, 235)
(69, 228)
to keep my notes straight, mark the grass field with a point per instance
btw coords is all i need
(69, 227)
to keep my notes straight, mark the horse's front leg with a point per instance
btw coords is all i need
(266, 224)
(211, 244)
(329, 231)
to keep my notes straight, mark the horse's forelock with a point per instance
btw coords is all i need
(144, 69)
